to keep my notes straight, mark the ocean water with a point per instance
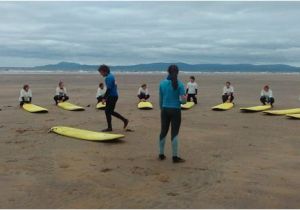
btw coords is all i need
(14, 71)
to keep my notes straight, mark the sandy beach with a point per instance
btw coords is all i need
(233, 159)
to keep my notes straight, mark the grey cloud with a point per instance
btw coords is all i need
(35, 33)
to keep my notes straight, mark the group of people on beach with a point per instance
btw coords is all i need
(172, 93)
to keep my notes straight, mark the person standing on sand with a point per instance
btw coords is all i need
(111, 97)
(171, 95)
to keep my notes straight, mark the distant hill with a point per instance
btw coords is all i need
(66, 66)
(158, 67)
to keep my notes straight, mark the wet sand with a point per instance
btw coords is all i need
(234, 160)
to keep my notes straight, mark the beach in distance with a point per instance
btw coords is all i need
(233, 159)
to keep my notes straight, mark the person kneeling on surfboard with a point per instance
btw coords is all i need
(101, 93)
(25, 95)
(111, 97)
(192, 90)
(266, 96)
(143, 93)
(171, 95)
(228, 93)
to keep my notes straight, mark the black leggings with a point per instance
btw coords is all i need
(100, 98)
(170, 116)
(173, 117)
(110, 110)
(59, 98)
(225, 98)
(192, 96)
(265, 100)
(25, 102)
(143, 96)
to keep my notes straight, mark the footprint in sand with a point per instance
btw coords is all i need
(11, 200)
(163, 178)
(172, 194)
(12, 161)
(64, 165)
(19, 142)
(104, 170)
(142, 171)
(21, 131)
(216, 155)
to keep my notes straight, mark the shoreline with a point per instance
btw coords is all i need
(150, 73)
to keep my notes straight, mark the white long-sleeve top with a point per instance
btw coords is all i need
(266, 94)
(25, 94)
(227, 90)
(141, 90)
(61, 92)
(192, 87)
(101, 92)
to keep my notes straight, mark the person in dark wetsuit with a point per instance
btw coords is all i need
(171, 96)
(111, 98)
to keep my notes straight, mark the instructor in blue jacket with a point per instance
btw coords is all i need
(171, 96)
(111, 98)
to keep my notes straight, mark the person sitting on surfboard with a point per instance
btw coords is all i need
(111, 98)
(171, 95)
(228, 93)
(143, 93)
(100, 93)
(61, 93)
(192, 90)
(25, 95)
(266, 96)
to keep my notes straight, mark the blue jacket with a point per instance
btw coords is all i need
(168, 97)
(111, 86)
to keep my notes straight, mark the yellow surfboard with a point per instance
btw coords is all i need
(295, 116)
(70, 107)
(34, 108)
(187, 105)
(145, 105)
(283, 111)
(223, 107)
(256, 108)
(101, 105)
(85, 134)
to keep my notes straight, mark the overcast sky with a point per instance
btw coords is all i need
(118, 33)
